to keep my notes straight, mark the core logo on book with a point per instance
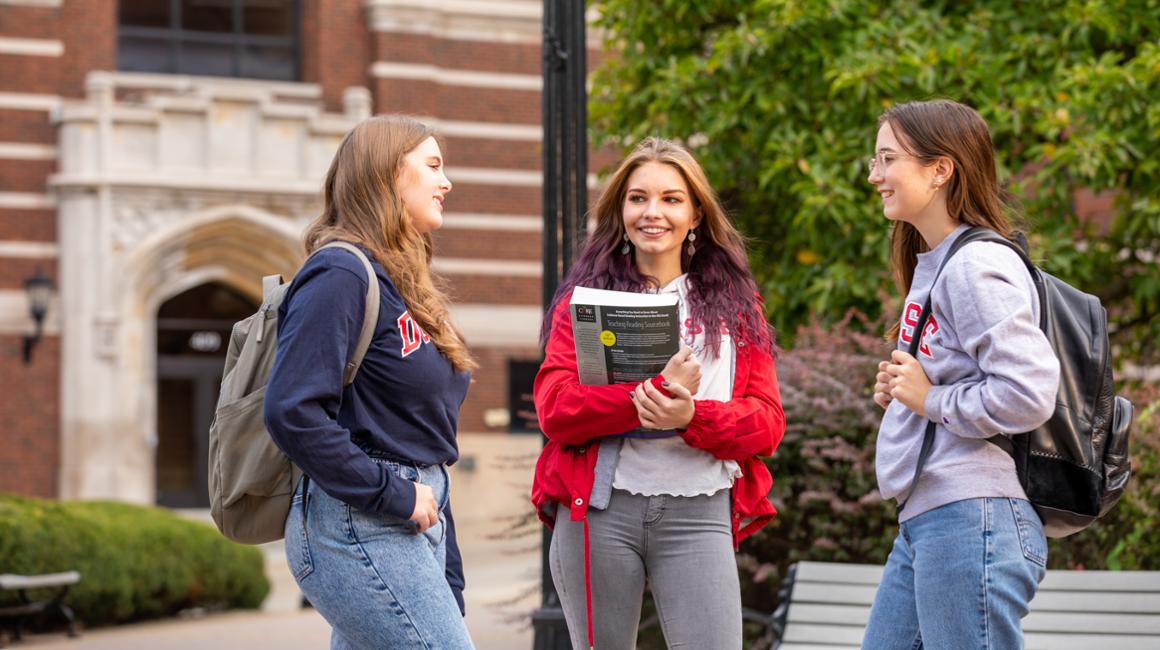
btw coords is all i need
(413, 336)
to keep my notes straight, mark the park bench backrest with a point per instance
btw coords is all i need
(826, 605)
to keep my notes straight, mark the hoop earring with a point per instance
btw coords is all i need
(626, 247)
(691, 248)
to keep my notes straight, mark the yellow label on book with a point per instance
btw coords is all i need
(608, 338)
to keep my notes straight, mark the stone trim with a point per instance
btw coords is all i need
(32, 3)
(505, 222)
(26, 200)
(506, 268)
(24, 151)
(30, 101)
(31, 46)
(448, 77)
(29, 249)
(497, 325)
(490, 130)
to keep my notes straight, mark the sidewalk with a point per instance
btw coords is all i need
(496, 573)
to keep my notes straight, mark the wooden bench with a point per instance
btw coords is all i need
(58, 582)
(825, 606)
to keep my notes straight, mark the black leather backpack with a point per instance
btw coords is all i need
(1075, 467)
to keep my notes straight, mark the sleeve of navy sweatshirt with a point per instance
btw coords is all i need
(454, 570)
(323, 316)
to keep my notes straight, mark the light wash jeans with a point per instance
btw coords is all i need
(372, 577)
(960, 576)
(682, 545)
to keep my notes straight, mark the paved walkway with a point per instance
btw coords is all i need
(497, 572)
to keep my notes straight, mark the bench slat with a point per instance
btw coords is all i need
(814, 646)
(1078, 601)
(1046, 641)
(846, 574)
(834, 593)
(807, 613)
(1073, 622)
(1145, 581)
(850, 635)
(14, 581)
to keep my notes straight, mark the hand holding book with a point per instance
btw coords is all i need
(684, 369)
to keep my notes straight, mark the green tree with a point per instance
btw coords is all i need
(780, 100)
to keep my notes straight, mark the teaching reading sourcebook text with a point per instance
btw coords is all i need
(623, 336)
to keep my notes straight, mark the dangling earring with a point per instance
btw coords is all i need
(691, 248)
(626, 247)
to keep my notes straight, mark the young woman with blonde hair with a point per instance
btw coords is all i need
(374, 547)
(671, 504)
(971, 549)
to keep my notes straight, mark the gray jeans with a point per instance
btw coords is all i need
(682, 545)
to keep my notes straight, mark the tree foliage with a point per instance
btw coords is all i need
(780, 99)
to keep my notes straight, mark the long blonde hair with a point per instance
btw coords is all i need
(362, 204)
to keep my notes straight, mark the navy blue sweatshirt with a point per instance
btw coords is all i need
(404, 401)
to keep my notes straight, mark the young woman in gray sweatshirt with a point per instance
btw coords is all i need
(970, 550)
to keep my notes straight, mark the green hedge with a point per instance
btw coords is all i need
(135, 562)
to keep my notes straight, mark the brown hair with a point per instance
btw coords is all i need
(933, 129)
(362, 204)
(721, 287)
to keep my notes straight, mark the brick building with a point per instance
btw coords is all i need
(157, 157)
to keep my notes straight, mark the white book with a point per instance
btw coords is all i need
(623, 336)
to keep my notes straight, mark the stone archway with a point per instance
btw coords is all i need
(109, 386)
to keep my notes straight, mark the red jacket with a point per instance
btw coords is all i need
(575, 416)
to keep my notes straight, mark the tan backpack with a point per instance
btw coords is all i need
(251, 481)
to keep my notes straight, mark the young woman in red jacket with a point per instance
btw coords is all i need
(669, 505)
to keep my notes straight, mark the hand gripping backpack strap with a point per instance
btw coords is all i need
(973, 234)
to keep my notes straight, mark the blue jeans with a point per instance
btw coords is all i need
(960, 576)
(378, 582)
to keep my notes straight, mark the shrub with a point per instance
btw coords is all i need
(824, 485)
(135, 562)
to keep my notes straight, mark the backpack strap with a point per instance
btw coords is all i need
(370, 315)
(269, 284)
(972, 234)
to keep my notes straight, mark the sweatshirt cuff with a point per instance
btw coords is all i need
(933, 405)
(402, 500)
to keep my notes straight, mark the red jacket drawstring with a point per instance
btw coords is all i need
(588, 587)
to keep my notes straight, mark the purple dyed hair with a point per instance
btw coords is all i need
(721, 286)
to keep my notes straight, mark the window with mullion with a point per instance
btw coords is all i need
(255, 39)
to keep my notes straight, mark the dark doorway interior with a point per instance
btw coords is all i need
(193, 331)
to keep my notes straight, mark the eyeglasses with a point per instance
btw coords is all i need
(882, 160)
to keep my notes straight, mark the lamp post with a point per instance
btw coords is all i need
(565, 118)
(39, 288)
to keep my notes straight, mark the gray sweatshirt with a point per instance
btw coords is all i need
(992, 371)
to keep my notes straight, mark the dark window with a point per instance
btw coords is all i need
(256, 39)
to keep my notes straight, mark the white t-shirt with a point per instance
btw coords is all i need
(653, 466)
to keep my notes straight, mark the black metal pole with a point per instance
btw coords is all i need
(565, 205)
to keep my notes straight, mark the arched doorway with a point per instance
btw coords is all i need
(193, 333)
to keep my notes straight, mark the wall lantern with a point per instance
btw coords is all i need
(39, 288)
